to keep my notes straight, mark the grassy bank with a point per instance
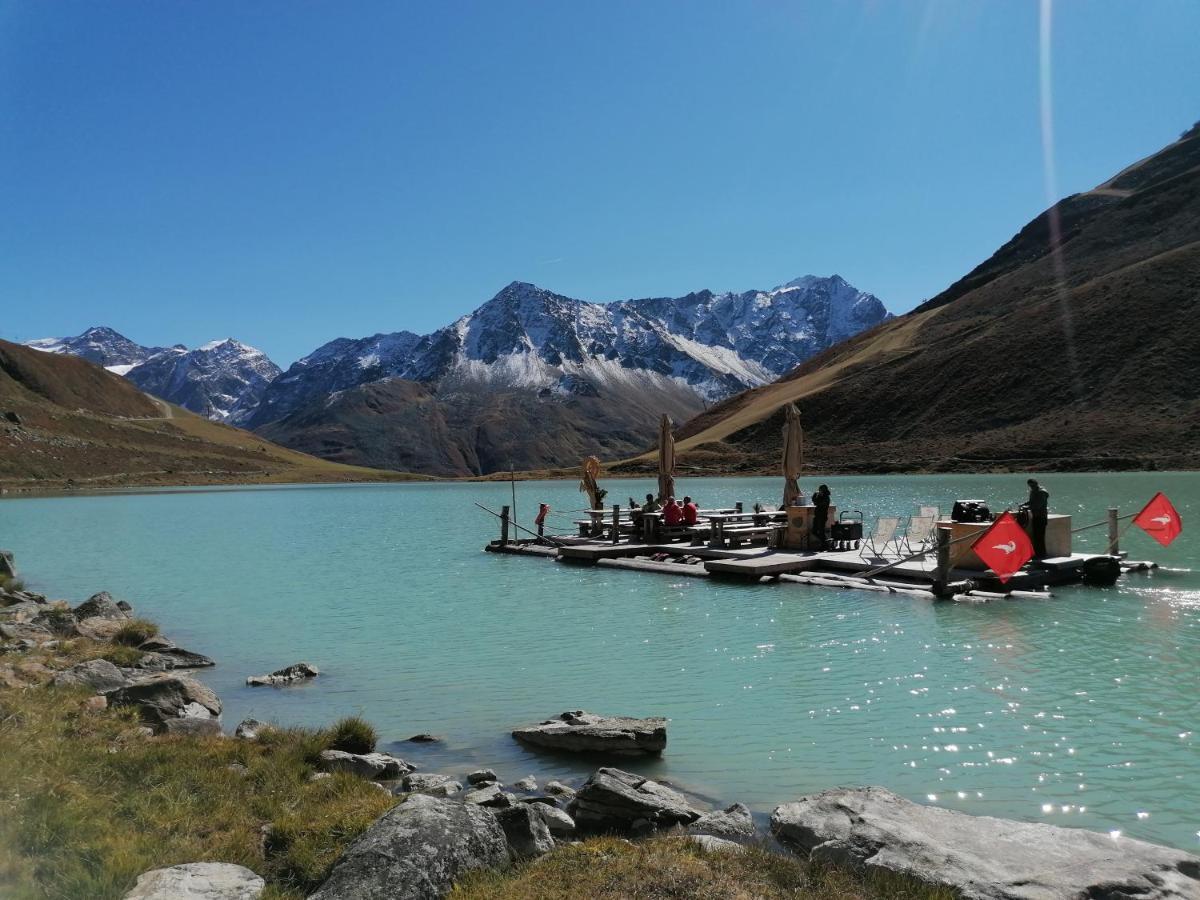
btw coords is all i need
(89, 801)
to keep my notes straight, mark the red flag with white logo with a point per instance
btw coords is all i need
(1159, 519)
(1004, 547)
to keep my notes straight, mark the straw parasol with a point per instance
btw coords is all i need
(591, 471)
(793, 453)
(666, 460)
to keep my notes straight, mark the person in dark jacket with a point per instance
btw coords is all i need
(1038, 506)
(821, 516)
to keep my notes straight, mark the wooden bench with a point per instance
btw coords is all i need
(735, 533)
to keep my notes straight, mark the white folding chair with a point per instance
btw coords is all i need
(876, 542)
(917, 536)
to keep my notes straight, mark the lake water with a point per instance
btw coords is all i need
(1080, 711)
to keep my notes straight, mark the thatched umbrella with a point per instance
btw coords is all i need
(591, 471)
(666, 460)
(793, 453)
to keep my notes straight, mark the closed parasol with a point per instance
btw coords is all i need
(793, 453)
(666, 460)
(589, 484)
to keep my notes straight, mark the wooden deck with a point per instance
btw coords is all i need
(846, 569)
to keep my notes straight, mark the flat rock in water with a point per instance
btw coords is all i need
(733, 821)
(415, 851)
(98, 674)
(368, 765)
(613, 800)
(198, 881)
(161, 698)
(301, 671)
(578, 731)
(171, 658)
(483, 776)
(980, 857)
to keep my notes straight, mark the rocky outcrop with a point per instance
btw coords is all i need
(368, 765)
(301, 671)
(415, 851)
(198, 881)
(100, 605)
(97, 674)
(979, 857)
(733, 821)
(561, 825)
(525, 830)
(578, 731)
(613, 800)
(161, 698)
(430, 783)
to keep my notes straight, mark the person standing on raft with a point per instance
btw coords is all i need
(821, 501)
(1038, 507)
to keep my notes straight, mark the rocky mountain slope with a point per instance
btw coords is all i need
(65, 421)
(1073, 347)
(534, 379)
(222, 380)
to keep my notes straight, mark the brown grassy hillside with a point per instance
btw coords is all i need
(1085, 359)
(65, 422)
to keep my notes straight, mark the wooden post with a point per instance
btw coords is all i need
(616, 522)
(1113, 535)
(941, 576)
(504, 526)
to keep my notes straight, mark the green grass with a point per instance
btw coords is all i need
(353, 735)
(11, 583)
(135, 632)
(673, 868)
(87, 803)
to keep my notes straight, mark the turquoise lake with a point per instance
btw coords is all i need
(1080, 711)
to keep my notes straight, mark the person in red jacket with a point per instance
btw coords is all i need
(690, 513)
(672, 514)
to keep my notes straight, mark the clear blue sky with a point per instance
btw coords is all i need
(289, 172)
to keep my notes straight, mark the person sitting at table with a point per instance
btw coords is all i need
(651, 505)
(672, 514)
(691, 514)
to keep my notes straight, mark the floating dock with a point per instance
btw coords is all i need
(829, 568)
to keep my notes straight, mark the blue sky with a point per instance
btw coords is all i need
(289, 172)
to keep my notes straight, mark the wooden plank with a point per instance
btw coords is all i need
(756, 567)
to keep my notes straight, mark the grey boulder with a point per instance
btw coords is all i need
(526, 831)
(712, 844)
(416, 851)
(368, 765)
(98, 674)
(301, 671)
(100, 605)
(249, 729)
(429, 783)
(169, 658)
(613, 800)
(161, 698)
(492, 795)
(560, 824)
(733, 821)
(198, 881)
(980, 857)
(482, 776)
(578, 731)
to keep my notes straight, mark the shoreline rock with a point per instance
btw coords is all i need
(371, 766)
(980, 857)
(198, 881)
(613, 800)
(578, 731)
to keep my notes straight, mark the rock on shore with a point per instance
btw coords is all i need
(578, 731)
(980, 857)
(198, 881)
(415, 851)
(613, 800)
(368, 765)
(163, 698)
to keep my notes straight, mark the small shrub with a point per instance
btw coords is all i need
(11, 583)
(59, 620)
(135, 632)
(353, 735)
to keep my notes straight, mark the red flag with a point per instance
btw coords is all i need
(1159, 519)
(1005, 547)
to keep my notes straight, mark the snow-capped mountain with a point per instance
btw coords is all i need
(102, 346)
(534, 378)
(221, 380)
(710, 345)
